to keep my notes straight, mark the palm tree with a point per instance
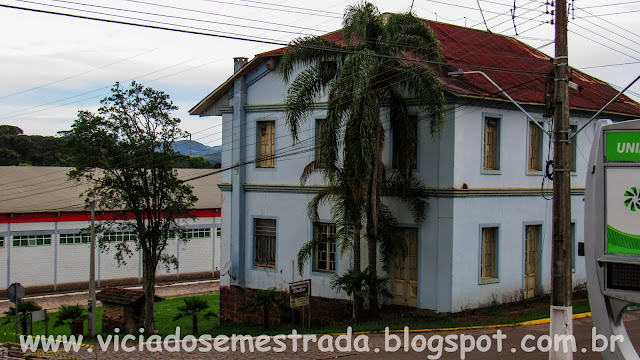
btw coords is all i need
(193, 307)
(370, 72)
(24, 307)
(347, 209)
(67, 314)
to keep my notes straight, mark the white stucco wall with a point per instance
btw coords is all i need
(67, 263)
(449, 238)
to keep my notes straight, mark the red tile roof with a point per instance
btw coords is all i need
(518, 68)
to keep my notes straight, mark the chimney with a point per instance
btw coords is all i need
(239, 62)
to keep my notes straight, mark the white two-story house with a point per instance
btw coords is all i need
(487, 235)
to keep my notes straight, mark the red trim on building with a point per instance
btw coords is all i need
(85, 216)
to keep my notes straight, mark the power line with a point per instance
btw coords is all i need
(224, 15)
(159, 15)
(74, 76)
(273, 9)
(606, 5)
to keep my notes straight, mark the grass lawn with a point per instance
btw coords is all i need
(394, 318)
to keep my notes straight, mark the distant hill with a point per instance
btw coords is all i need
(16, 148)
(210, 153)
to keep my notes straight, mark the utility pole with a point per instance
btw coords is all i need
(561, 284)
(91, 327)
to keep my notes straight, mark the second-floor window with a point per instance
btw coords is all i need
(535, 147)
(397, 147)
(266, 144)
(491, 146)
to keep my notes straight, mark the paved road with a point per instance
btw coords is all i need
(514, 335)
(53, 301)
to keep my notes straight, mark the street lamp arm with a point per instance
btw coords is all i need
(604, 107)
(460, 72)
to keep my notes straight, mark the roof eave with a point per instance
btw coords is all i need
(221, 90)
(461, 95)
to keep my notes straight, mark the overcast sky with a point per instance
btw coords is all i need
(51, 66)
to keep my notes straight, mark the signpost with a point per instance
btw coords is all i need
(612, 231)
(300, 296)
(15, 293)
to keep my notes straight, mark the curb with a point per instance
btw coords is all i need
(524, 323)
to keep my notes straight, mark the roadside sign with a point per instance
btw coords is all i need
(300, 297)
(299, 293)
(612, 229)
(15, 292)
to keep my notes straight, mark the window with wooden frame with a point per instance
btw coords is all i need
(319, 123)
(325, 251)
(396, 147)
(491, 146)
(535, 147)
(266, 144)
(532, 242)
(574, 148)
(264, 253)
(489, 255)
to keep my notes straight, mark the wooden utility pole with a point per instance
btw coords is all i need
(91, 327)
(561, 284)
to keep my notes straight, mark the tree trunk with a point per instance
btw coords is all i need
(194, 322)
(23, 320)
(265, 316)
(356, 245)
(372, 215)
(357, 300)
(149, 287)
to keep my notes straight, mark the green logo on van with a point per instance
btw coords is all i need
(632, 199)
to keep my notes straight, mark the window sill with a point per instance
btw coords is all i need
(488, 281)
(264, 267)
(535, 172)
(490, 172)
(322, 273)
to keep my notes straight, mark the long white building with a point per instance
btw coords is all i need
(43, 241)
(487, 236)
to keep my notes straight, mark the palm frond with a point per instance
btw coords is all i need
(406, 33)
(361, 22)
(410, 191)
(304, 91)
(392, 242)
(427, 89)
(308, 50)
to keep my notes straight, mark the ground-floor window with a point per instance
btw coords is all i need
(325, 251)
(119, 236)
(31, 240)
(264, 253)
(488, 253)
(67, 239)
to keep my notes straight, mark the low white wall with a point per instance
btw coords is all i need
(56, 263)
